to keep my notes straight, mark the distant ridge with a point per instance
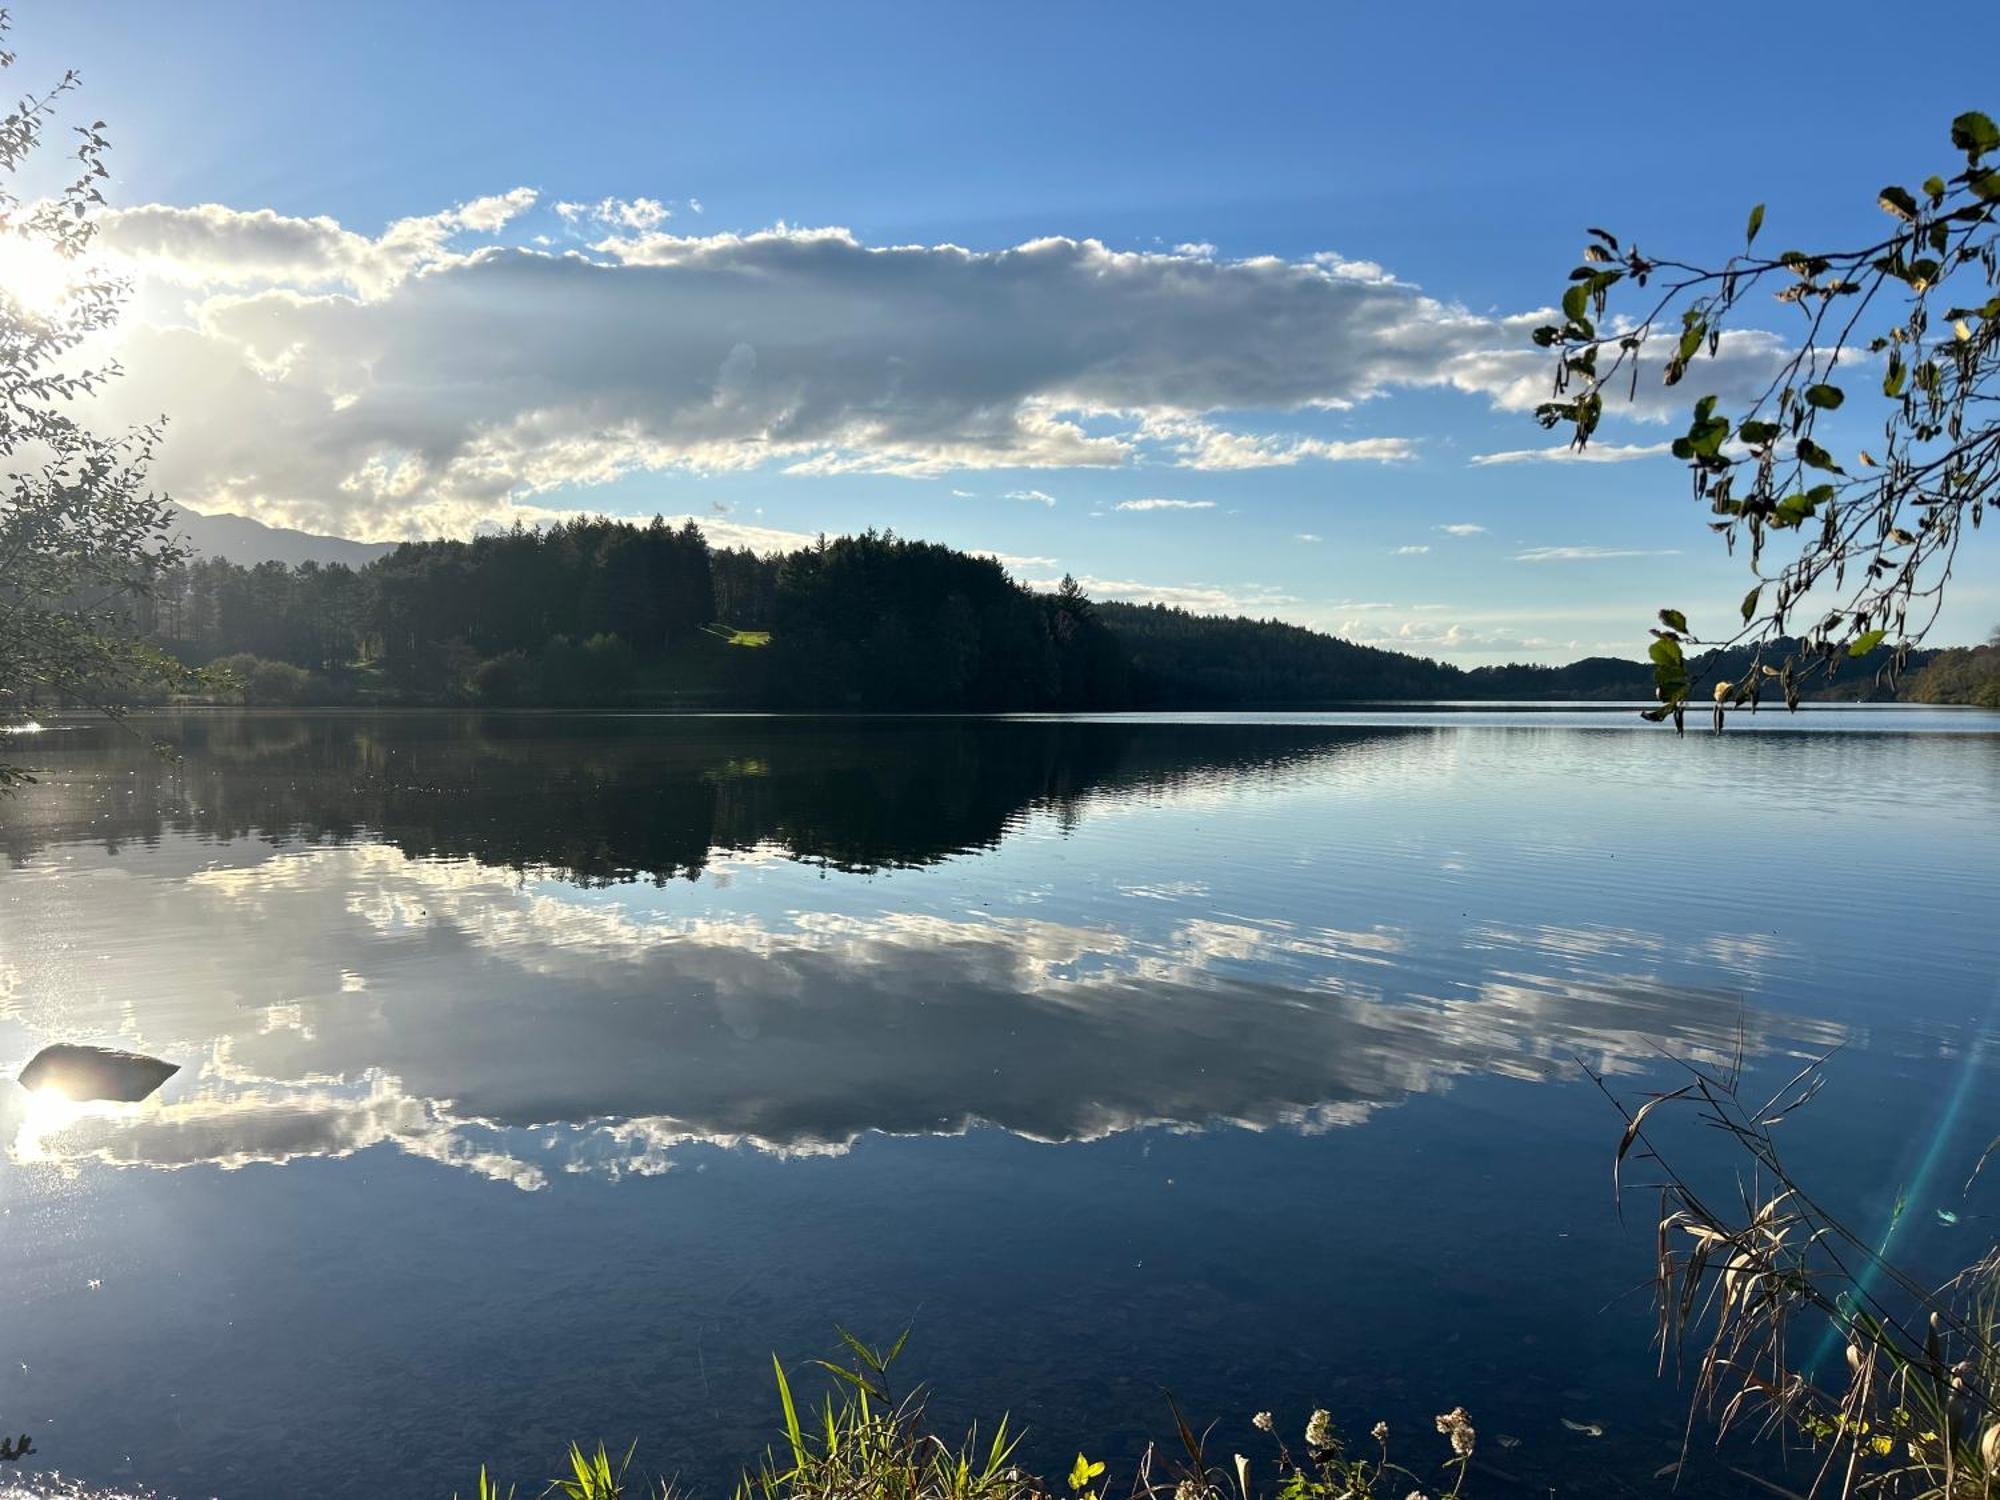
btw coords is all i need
(247, 542)
(509, 614)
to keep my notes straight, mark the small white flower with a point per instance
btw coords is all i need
(1380, 1432)
(1457, 1426)
(1264, 1422)
(1319, 1431)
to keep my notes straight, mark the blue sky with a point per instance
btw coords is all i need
(686, 338)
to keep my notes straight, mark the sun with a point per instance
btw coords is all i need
(35, 277)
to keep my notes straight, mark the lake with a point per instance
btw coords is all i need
(541, 1075)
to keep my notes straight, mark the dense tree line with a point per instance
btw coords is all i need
(1960, 675)
(606, 612)
(602, 612)
(1201, 661)
(878, 623)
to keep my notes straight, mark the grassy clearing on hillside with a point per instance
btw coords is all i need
(734, 637)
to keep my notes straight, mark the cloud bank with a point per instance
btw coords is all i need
(428, 379)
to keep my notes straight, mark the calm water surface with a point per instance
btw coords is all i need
(542, 1074)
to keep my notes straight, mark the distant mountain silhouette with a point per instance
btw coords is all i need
(247, 542)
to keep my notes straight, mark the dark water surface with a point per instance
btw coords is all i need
(541, 1075)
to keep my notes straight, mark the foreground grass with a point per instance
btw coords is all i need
(864, 1443)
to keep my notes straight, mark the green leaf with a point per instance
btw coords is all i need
(1750, 602)
(1897, 202)
(793, 1433)
(1987, 185)
(1670, 678)
(1576, 304)
(1975, 134)
(1756, 434)
(1934, 188)
(1792, 511)
(1825, 397)
(1705, 435)
(1756, 223)
(1673, 619)
(1817, 457)
(1892, 379)
(1865, 642)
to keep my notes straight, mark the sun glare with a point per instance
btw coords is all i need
(34, 276)
(50, 1112)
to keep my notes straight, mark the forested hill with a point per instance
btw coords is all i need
(1185, 660)
(608, 613)
(1210, 661)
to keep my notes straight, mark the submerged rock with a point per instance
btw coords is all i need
(82, 1074)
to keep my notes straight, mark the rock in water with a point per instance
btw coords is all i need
(82, 1074)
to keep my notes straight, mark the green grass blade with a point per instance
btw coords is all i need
(792, 1432)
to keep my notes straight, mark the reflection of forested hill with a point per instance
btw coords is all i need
(611, 799)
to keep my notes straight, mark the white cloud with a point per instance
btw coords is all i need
(1155, 504)
(212, 247)
(1014, 563)
(1430, 637)
(1196, 444)
(1307, 536)
(1589, 554)
(1414, 550)
(1353, 270)
(412, 382)
(1040, 497)
(1196, 598)
(1461, 528)
(726, 533)
(1596, 453)
(1516, 377)
(641, 214)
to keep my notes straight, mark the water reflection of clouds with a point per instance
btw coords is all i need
(340, 998)
(1747, 955)
(238, 1122)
